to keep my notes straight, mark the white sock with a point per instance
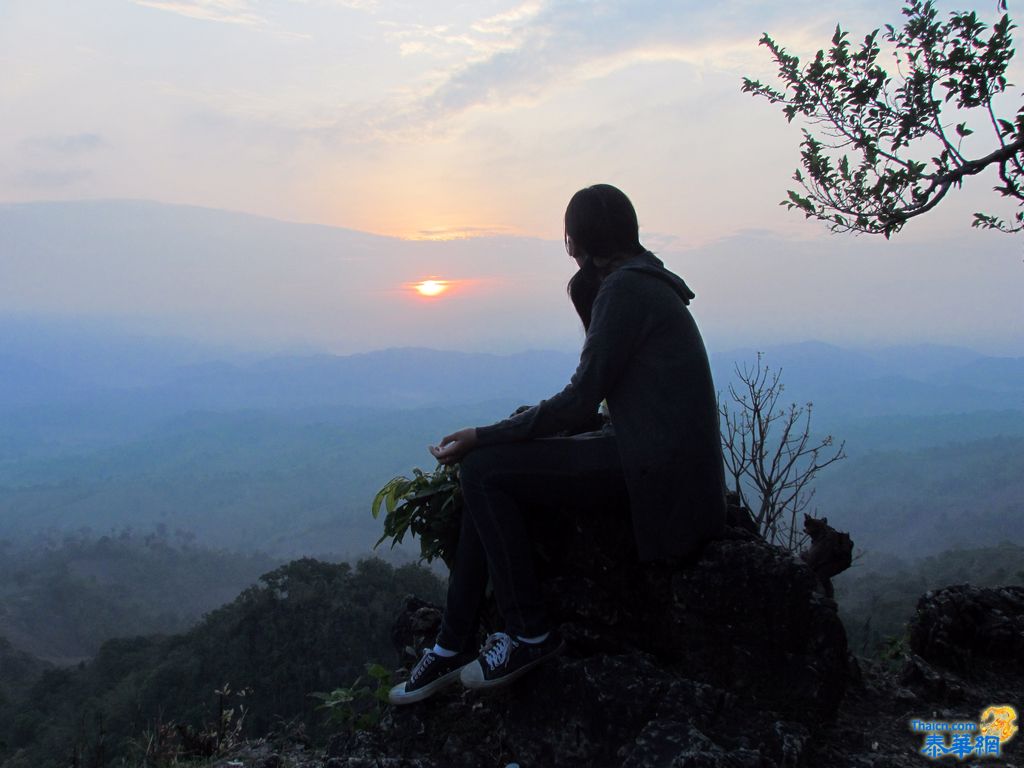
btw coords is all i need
(533, 640)
(444, 652)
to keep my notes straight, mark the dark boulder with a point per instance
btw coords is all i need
(970, 630)
(745, 615)
(605, 710)
(731, 659)
(963, 640)
(830, 553)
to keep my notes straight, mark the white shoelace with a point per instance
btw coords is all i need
(496, 649)
(421, 667)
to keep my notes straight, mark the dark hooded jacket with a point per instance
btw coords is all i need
(644, 355)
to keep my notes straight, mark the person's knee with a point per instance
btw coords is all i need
(477, 464)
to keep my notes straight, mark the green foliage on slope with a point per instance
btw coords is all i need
(290, 484)
(878, 597)
(307, 626)
(63, 600)
(928, 500)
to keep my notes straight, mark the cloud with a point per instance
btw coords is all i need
(243, 12)
(60, 160)
(519, 56)
(511, 59)
(226, 11)
(461, 233)
(66, 144)
(53, 178)
(504, 23)
(355, 5)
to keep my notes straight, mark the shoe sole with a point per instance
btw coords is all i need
(398, 695)
(472, 674)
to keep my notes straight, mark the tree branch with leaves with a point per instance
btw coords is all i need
(884, 148)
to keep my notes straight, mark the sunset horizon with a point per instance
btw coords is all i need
(456, 134)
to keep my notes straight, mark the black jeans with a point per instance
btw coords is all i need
(501, 485)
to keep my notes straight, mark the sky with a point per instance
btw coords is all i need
(478, 120)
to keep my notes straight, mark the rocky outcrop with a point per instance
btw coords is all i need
(830, 553)
(744, 618)
(618, 698)
(605, 710)
(965, 642)
(729, 660)
(971, 630)
(964, 655)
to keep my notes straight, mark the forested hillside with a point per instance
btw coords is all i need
(307, 626)
(878, 595)
(61, 600)
(137, 513)
(283, 454)
(285, 483)
(311, 626)
(291, 484)
(925, 500)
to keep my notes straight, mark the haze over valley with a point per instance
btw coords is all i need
(146, 379)
(215, 382)
(282, 455)
(256, 257)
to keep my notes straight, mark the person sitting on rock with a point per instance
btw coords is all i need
(659, 454)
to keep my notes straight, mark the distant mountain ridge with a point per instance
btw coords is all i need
(844, 383)
(397, 378)
(850, 383)
(284, 452)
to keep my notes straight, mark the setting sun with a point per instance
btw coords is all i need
(432, 287)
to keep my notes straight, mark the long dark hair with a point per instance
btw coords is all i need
(601, 223)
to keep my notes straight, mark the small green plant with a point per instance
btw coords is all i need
(894, 648)
(427, 505)
(362, 704)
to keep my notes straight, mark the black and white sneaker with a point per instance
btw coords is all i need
(431, 673)
(504, 659)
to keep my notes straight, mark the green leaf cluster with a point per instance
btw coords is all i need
(427, 505)
(883, 148)
(360, 706)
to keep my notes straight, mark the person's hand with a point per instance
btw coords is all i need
(454, 446)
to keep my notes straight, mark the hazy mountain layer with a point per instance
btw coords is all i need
(284, 454)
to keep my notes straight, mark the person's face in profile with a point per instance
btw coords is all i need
(576, 253)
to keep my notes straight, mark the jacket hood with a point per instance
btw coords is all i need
(650, 264)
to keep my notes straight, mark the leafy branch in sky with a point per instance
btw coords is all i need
(882, 148)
